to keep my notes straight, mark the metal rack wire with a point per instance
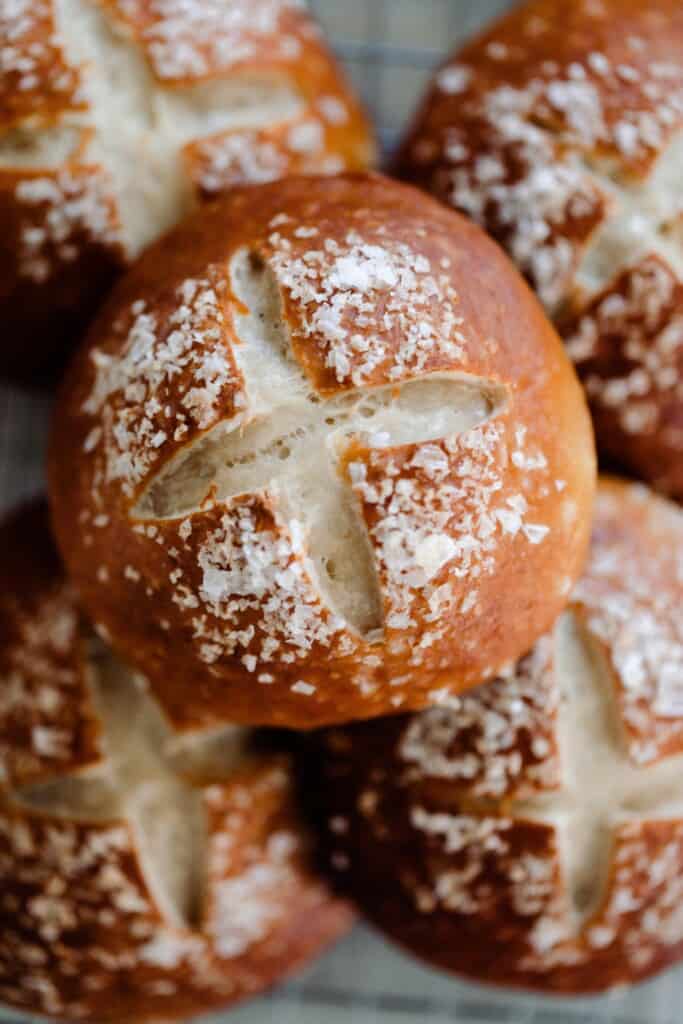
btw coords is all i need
(389, 47)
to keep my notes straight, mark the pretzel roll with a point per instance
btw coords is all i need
(320, 453)
(143, 876)
(560, 130)
(531, 833)
(116, 116)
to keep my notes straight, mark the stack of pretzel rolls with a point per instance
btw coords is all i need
(336, 616)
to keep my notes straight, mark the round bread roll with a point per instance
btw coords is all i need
(531, 833)
(318, 448)
(143, 876)
(117, 115)
(561, 131)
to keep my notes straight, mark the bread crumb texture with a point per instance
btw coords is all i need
(538, 820)
(561, 131)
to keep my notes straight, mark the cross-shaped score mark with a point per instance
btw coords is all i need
(291, 442)
(602, 787)
(139, 138)
(141, 783)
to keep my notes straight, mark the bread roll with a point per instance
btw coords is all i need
(561, 131)
(117, 115)
(320, 455)
(144, 876)
(531, 833)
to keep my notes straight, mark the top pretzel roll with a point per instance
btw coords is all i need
(116, 115)
(561, 131)
(321, 454)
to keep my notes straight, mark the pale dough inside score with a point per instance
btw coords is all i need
(289, 440)
(601, 786)
(141, 782)
(643, 221)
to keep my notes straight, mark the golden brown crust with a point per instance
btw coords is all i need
(55, 225)
(186, 42)
(448, 827)
(499, 512)
(274, 38)
(36, 81)
(75, 246)
(47, 722)
(84, 934)
(554, 130)
(629, 600)
(627, 345)
(83, 937)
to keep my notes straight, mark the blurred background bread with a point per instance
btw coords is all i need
(115, 117)
(325, 454)
(560, 130)
(143, 876)
(530, 833)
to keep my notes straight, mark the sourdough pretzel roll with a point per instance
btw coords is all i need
(319, 447)
(561, 131)
(531, 833)
(143, 876)
(117, 115)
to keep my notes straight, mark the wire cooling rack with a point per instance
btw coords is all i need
(389, 47)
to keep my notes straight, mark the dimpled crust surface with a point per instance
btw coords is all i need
(319, 447)
(116, 116)
(530, 833)
(133, 885)
(561, 131)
